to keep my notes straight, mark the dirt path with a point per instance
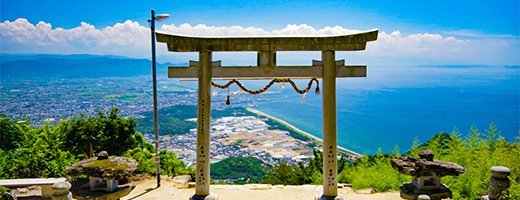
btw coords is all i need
(145, 189)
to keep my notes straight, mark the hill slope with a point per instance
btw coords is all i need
(73, 66)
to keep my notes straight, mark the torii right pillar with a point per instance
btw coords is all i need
(330, 138)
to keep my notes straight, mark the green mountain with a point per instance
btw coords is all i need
(21, 66)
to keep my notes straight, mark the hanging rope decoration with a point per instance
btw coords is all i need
(265, 88)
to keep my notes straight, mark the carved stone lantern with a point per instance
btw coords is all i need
(104, 171)
(426, 175)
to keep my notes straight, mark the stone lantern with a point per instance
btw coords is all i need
(426, 175)
(104, 171)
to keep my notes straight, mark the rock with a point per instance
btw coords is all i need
(426, 154)
(181, 181)
(423, 197)
(192, 184)
(102, 155)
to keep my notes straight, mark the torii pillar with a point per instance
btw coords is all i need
(328, 69)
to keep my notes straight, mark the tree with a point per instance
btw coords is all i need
(173, 166)
(39, 155)
(11, 132)
(107, 132)
(284, 174)
(246, 168)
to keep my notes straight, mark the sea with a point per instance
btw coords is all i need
(395, 105)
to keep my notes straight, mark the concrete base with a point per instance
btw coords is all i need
(209, 197)
(323, 197)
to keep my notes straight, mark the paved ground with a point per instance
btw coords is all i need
(145, 189)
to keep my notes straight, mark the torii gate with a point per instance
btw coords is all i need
(328, 69)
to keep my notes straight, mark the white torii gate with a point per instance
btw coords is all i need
(266, 47)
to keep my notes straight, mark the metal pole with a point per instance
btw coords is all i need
(154, 83)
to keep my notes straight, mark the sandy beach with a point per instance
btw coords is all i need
(301, 132)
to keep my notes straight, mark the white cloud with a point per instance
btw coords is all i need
(133, 39)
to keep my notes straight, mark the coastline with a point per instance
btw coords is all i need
(298, 131)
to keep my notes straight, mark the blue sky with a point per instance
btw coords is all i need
(473, 24)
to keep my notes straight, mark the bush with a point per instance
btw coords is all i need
(39, 155)
(373, 172)
(12, 132)
(5, 194)
(111, 132)
(170, 164)
(244, 169)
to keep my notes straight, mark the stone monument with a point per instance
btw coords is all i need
(426, 174)
(104, 171)
(498, 183)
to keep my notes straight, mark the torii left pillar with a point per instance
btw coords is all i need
(202, 174)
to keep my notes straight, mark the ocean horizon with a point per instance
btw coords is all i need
(394, 105)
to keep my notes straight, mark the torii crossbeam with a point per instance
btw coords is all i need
(328, 69)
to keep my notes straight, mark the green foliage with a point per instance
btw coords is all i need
(39, 155)
(144, 157)
(46, 151)
(86, 135)
(11, 134)
(5, 193)
(372, 172)
(4, 160)
(478, 152)
(284, 174)
(248, 169)
(311, 173)
(172, 166)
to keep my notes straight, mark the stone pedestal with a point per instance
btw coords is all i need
(61, 191)
(498, 183)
